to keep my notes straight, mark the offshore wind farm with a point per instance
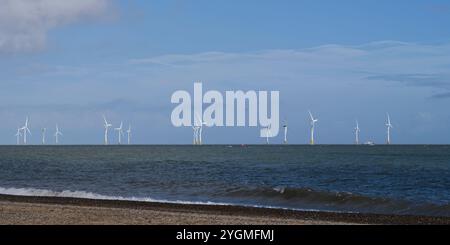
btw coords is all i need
(224, 112)
(197, 132)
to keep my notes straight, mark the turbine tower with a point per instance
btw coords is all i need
(313, 123)
(285, 126)
(18, 134)
(129, 133)
(357, 130)
(43, 130)
(120, 132)
(106, 125)
(268, 133)
(25, 130)
(389, 126)
(57, 133)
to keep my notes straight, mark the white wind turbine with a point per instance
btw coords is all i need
(195, 129)
(200, 129)
(106, 125)
(120, 132)
(18, 134)
(43, 130)
(268, 133)
(129, 133)
(313, 123)
(57, 134)
(25, 131)
(389, 126)
(285, 126)
(357, 130)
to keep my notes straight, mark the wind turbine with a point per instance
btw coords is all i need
(389, 126)
(313, 123)
(129, 133)
(200, 128)
(120, 132)
(285, 126)
(268, 133)
(195, 129)
(43, 130)
(18, 134)
(57, 133)
(357, 130)
(106, 125)
(25, 130)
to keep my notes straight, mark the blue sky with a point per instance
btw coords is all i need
(70, 62)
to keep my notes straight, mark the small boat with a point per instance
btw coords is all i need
(369, 143)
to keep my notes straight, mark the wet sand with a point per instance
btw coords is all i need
(62, 210)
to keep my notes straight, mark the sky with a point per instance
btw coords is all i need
(69, 62)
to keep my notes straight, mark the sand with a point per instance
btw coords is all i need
(77, 211)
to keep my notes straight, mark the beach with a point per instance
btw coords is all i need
(20, 210)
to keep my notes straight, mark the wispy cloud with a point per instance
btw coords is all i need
(421, 80)
(445, 95)
(373, 64)
(409, 64)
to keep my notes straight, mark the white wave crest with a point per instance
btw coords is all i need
(90, 195)
(35, 192)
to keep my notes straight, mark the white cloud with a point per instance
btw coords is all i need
(24, 23)
(408, 63)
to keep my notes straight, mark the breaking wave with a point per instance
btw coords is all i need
(89, 195)
(278, 197)
(308, 198)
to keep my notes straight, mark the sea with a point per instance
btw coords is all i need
(385, 179)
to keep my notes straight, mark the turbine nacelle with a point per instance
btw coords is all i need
(388, 123)
(57, 131)
(106, 124)
(313, 120)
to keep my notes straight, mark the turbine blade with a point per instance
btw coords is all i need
(310, 114)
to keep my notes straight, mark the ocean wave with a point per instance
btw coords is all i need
(337, 201)
(304, 199)
(90, 195)
(35, 192)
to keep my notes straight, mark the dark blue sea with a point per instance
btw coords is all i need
(394, 179)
